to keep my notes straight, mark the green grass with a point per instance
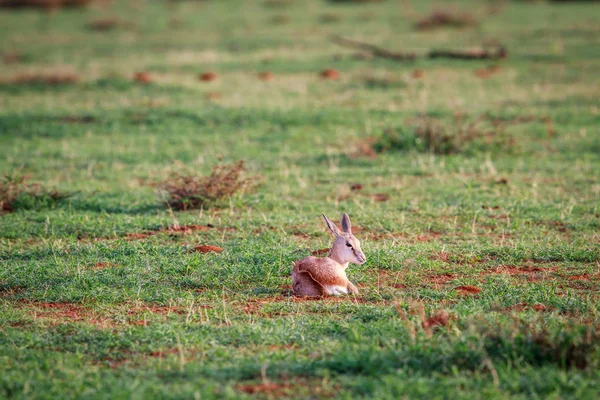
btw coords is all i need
(100, 299)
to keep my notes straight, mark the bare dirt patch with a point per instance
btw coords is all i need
(487, 72)
(60, 313)
(164, 353)
(467, 290)
(103, 265)
(512, 270)
(206, 248)
(300, 234)
(207, 76)
(270, 388)
(331, 74)
(417, 74)
(584, 277)
(156, 309)
(143, 77)
(380, 197)
(439, 280)
(429, 236)
(266, 76)
(531, 272)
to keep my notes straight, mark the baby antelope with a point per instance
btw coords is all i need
(315, 276)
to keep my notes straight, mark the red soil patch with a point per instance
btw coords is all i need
(142, 77)
(441, 279)
(357, 229)
(439, 319)
(274, 389)
(68, 312)
(155, 309)
(467, 290)
(356, 186)
(320, 252)
(302, 235)
(380, 197)
(330, 74)
(102, 265)
(485, 73)
(390, 279)
(428, 237)
(266, 76)
(512, 270)
(206, 248)
(207, 76)
(584, 277)
(187, 228)
(138, 236)
(417, 74)
(163, 353)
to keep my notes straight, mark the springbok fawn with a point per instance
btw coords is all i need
(315, 276)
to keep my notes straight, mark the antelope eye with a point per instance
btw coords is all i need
(349, 245)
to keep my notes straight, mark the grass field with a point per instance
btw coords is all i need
(473, 185)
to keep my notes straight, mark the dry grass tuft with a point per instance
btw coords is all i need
(446, 18)
(188, 191)
(430, 134)
(16, 191)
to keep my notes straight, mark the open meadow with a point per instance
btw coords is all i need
(164, 163)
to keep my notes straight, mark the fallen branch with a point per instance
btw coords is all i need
(374, 50)
(495, 54)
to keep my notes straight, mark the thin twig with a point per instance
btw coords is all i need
(374, 50)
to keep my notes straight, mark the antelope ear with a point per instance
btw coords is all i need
(346, 224)
(332, 227)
